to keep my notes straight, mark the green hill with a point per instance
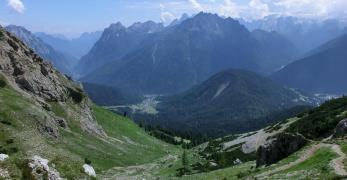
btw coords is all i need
(232, 101)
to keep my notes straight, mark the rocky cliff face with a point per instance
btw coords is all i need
(29, 74)
(279, 147)
(341, 129)
(62, 61)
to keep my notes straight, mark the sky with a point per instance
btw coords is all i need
(73, 17)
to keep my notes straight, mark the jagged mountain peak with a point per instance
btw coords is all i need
(211, 23)
(146, 27)
(178, 21)
(115, 27)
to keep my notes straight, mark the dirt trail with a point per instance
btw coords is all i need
(144, 171)
(336, 164)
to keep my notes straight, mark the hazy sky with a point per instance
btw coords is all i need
(71, 17)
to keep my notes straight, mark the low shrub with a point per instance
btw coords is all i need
(76, 95)
(2, 36)
(87, 161)
(2, 83)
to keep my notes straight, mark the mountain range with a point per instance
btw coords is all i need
(61, 61)
(305, 34)
(77, 47)
(321, 71)
(180, 56)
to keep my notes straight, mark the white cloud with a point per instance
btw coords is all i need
(166, 16)
(313, 8)
(197, 6)
(258, 9)
(16, 5)
(229, 9)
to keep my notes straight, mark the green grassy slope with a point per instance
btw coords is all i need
(126, 144)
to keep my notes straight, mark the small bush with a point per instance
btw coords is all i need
(12, 150)
(6, 122)
(9, 141)
(2, 83)
(241, 174)
(87, 161)
(1, 36)
(77, 96)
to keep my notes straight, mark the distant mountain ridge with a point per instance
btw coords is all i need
(183, 55)
(324, 71)
(306, 34)
(115, 42)
(76, 47)
(61, 61)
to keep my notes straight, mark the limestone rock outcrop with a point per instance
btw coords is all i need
(279, 147)
(36, 78)
(341, 129)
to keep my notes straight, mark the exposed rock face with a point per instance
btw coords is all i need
(40, 169)
(61, 122)
(61, 61)
(3, 157)
(341, 129)
(279, 147)
(29, 74)
(88, 169)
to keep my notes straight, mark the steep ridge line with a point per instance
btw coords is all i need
(336, 164)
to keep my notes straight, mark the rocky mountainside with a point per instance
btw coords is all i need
(77, 47)
(181, 56)
(231, 101)
(31, 75)
(305, 34)
(323, 71)
(47, 120)
(115, 42)
(272, 40)
(61, 61)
